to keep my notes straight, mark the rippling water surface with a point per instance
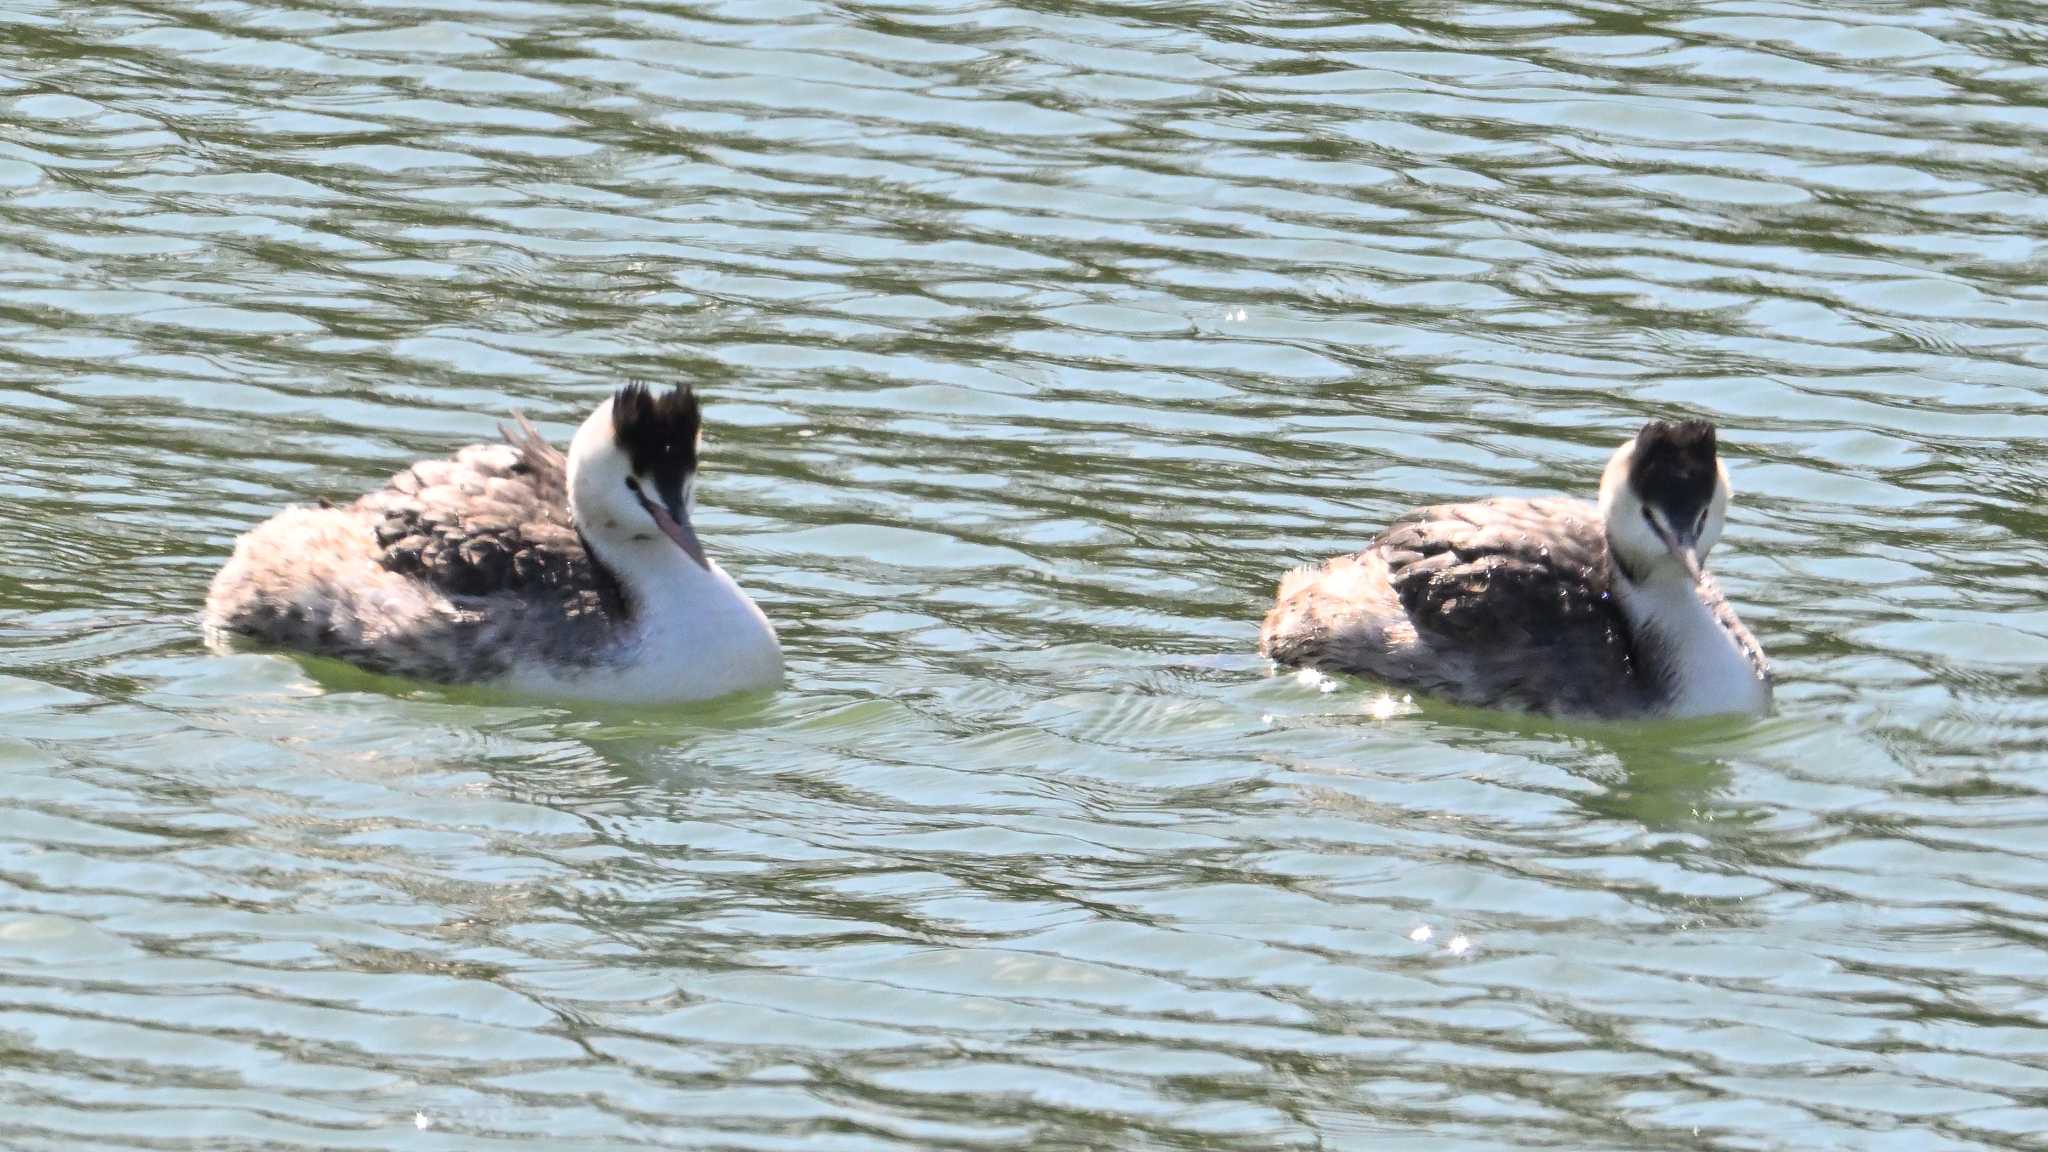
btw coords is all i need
(1038, 340)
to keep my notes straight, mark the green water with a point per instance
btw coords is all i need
(1037, 341)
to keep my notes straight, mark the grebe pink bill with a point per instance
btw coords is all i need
(516, 567)
(1548, 605)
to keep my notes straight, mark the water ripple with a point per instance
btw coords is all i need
(1037, 342)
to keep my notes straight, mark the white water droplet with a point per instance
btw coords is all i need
(1458, 945)
(1422, 933)
(421, 1121)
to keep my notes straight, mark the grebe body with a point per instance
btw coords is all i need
(575, 576)
(1545, 605)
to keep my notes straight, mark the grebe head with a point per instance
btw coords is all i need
(1663, 498)
(633, 475)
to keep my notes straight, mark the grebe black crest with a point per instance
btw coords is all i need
(574, 575)
(1674, 472)
(659, 435)
(1546, 605)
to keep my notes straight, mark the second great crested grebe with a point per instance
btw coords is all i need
(1545, 605)
(576, 576)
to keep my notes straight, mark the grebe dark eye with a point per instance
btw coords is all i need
(633, 485)
(1647, 518)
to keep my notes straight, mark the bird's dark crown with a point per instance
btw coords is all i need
(658, 434)
(1674, 470)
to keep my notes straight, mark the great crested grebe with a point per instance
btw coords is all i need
(1547, 605)
(511, 564)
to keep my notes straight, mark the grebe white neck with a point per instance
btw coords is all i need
(632, 471)
(1663, 500)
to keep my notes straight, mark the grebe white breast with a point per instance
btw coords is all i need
(1546, 605)
(511, 564)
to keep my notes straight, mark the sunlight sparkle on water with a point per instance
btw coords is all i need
(1383, 706)
(1310, 678)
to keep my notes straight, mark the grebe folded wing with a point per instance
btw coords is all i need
(459, 569)
(492, 520)
(1497, 570)
(1520, 589)
(1495, 603)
